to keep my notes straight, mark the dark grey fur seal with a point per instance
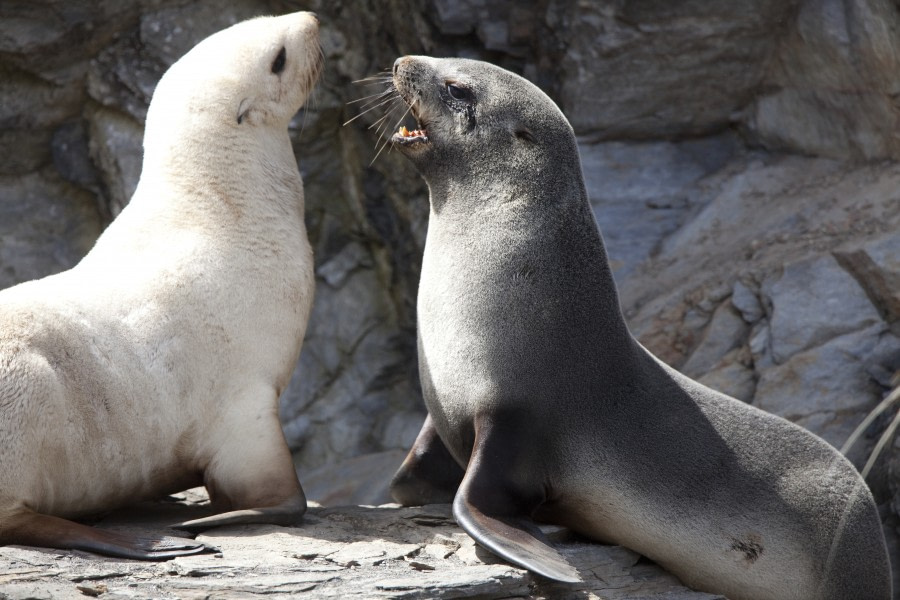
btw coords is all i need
(556, 413)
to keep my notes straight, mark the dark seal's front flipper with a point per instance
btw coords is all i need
(429, 474)
(34, 529)
(495, 502)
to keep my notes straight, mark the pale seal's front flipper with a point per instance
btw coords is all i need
(255, 482)
(287, 514)
(495, 502)
(33, 529)
(429, 474)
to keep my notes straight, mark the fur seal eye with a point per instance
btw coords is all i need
(459, 93)
(525, 135)
(278, 64)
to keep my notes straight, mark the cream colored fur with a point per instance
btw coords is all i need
(156, 363)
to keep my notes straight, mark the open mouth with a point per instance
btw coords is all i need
(408, 137)
(411, 137)
(412, 132)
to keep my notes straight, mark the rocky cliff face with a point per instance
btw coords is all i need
(740, 156)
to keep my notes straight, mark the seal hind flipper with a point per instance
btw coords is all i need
(494, 506)
(429, 473)
(35, 529)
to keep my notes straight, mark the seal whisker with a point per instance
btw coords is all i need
(380, 150)
(382, 127)
(381, 94)
(312, 77)
(387, 140)
(368, 110)
(380, 121)
(383, 77)
(403, 116)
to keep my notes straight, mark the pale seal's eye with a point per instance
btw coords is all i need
(278, 64)
(459, 93)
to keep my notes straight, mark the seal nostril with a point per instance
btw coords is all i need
(399, 62)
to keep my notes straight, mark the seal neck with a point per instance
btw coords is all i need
(541, 256)
(237, 172)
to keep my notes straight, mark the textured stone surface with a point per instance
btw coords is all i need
(725, 332)
(876, 267)
(641, 192)
(46, 225)
(841, 306)
(831, 85)
(358, 480)
(827, 389)
(341, 552)
(657, 68)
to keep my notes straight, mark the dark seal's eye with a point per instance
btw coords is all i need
(278, 64)
(459, 93)
(525, 135)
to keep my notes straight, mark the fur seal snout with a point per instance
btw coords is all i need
(550, 409)
(156, 363)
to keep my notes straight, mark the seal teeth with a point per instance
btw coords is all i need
(406, 133)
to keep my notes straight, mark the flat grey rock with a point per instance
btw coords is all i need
(812, 302)
(341, 552)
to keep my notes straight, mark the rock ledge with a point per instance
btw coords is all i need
(350, 551)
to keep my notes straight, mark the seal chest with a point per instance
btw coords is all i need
(155, 364)
(541, 403)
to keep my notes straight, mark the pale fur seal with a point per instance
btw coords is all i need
(156, 363)
(538, 390)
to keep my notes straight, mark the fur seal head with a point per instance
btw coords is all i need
(470, 114)
(231, 87)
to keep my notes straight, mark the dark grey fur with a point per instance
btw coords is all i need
(556, 412)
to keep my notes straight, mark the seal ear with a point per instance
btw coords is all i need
(496, 510)
(243, 109)
(280, 61)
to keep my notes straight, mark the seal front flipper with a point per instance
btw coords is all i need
(288, 513)
(34, 529)
(429, 474)
(495, 502)
(251, 483)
